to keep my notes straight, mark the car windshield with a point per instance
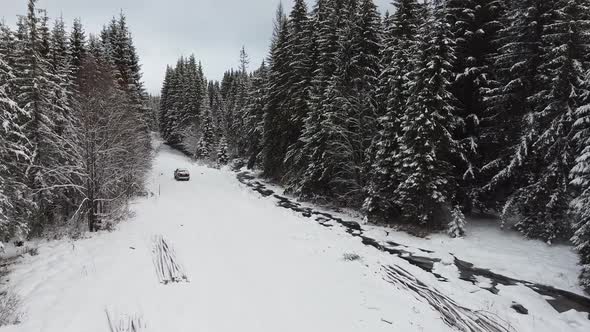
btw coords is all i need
(183, 171)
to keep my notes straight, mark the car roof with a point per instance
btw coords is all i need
(182, 170)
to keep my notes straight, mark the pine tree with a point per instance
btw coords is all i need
(44, 34)
(336, 145)
(475, 25)
(400, 40)
(77, 47)
(13, 153)
(426, 193)
(300, 65)
(59, 48)
(193, 90)
(512, 97)
(222, 157)
(207, 143)
(165, 101)
(37, 88)
(456, 227)
(254, 115)
(580, 173)
(274, 142)
(541, 203)
(236, 136)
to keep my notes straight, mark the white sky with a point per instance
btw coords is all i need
(214, 30)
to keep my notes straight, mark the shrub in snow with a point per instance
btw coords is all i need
(457, 224)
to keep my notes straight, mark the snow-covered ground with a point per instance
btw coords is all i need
(253, 266)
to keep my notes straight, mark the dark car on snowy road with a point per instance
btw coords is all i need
(181, 174)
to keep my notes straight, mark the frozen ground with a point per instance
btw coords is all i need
(253, 266)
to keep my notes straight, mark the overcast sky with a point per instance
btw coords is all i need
(214, 30)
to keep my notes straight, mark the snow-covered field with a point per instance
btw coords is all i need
(253, 266)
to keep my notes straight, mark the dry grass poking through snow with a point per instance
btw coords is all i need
(126, 323)
(453, 314)
(167, 266)
(351, 257)
(9, 308)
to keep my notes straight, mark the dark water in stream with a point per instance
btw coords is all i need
(559, 299)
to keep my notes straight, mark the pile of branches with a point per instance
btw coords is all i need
(453, 314)
(167, 267)
(126, 323)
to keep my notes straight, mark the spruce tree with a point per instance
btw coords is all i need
(222, 156)
(400, 40)
(77, 47)
(513, 97)
(297, 104)
(336, 147)
(14, 152)
(426, 193)
(456, 227)
(475, 25)
(37, 88)
(580, 180)
(165, 101)
(254, 115)
(541, 203)
(274, 140)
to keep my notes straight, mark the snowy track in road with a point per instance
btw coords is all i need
(252, 266)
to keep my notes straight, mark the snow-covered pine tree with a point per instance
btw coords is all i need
(475, 25)
(216, 105)
(44, 34)
(327, 20)
(426, 193)
(456, 227)
(296, 106)
(240, 85)
(165, 103)
(193, 90)
(77, 47)
(207, 142)
(59, 48)
(202, 150)
(253, 115)
(37, 88)
(512, 97)
(177, 119)
(336, 147)
(541, 204)
(13, 152)
(222, 154)
(274, 141)
(580, 175)
(400, 40)
(59, 59)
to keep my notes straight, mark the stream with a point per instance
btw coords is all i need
(560, 300)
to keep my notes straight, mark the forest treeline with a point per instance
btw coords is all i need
(418, 117)
(74, 125)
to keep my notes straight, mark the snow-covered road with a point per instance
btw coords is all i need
(252, 266)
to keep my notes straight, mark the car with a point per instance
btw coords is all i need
(182, 174)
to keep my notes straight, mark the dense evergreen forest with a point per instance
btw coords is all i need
(419, 117)
(75, 125)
